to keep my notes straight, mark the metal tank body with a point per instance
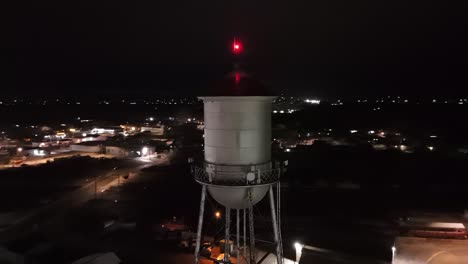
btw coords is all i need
(237, 142)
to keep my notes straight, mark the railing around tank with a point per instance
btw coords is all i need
(235, 178)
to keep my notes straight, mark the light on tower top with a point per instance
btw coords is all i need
(236, 47)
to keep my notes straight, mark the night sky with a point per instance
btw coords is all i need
(323, 48)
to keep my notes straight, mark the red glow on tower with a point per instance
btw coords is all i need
(236, 47)
(237, 77)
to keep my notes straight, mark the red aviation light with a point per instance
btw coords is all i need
(236, 47)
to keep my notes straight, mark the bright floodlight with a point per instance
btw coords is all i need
(144, 151)
(298, 246)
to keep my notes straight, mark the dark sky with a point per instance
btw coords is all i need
(323, 47)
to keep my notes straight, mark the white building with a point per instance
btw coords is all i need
(158, 131)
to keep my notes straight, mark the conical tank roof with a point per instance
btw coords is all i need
(238, 83)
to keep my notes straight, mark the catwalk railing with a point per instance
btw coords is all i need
(206, 176)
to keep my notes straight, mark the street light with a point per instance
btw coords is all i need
(144, 151)
(298, 246)
(217, 215)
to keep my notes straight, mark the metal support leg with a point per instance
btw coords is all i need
(200, 223)
(245, 234)
(252, 236)
(279, 258)
(238, 235)
(227, 234)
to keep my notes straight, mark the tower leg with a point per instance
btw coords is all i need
(252, 236)
(279, 258)
(227, 235)
(200, 223)
(238, 236)
(245, 234)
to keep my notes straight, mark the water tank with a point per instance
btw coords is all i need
(238, 148)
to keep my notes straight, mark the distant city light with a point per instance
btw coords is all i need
(38, 152)
(20, 149)
(433, 136)
(371, 131)
(84, 134)
(431, 148)
(274, 111)
(281, 112)
(312, 101)
(151, 119)
(288, 150)
(353, 131)
(217, 215)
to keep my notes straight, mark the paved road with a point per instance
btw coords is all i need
(88, 191)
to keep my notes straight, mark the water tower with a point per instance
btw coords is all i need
(237, 170)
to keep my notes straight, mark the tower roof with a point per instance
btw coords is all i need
(238, 83)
